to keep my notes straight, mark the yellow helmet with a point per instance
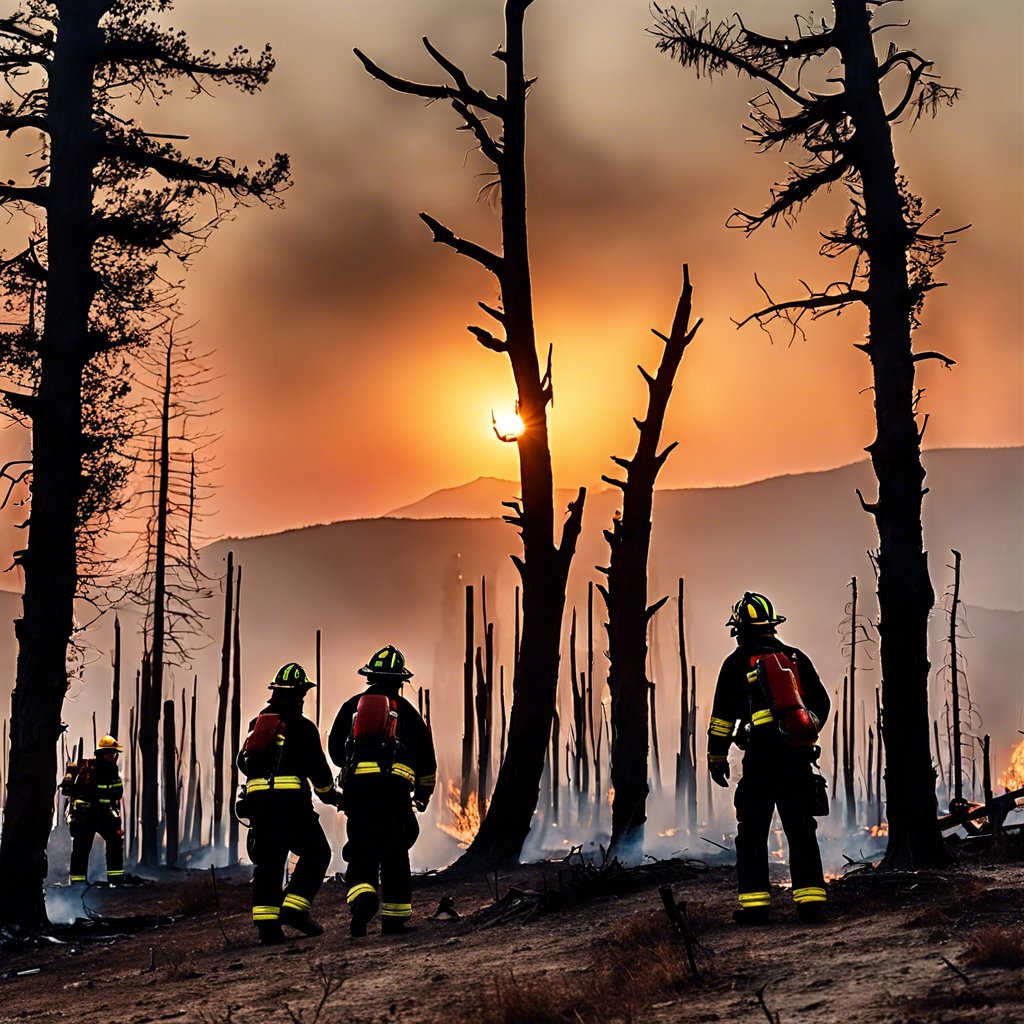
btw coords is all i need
(108, 743)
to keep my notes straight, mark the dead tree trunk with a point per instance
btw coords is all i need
(188, 828)
(223, 693)
(683, 757)
(626, 593)
(846, 133)
(693, 747)
(467, 704)
(236, 719)
(954, 683)
(580, 760)
(849, 715)
(115, 688)
(170, 786)
(544, 566)
(319, 668)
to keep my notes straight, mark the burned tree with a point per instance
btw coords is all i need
(626, 592)
(544, 565)
(168, 584)
(846, 134)
(110, 198)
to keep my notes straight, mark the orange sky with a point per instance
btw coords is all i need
(349, 383)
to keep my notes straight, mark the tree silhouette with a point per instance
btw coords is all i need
(544, 566)
(626, 592)
(846, 135)
(104, 202)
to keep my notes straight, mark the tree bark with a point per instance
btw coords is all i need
(49, 561)
(170, 785)
(223, 693)
(236, 719)
(626, 595)
(905, 595)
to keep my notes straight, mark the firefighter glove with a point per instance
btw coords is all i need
(718, 767)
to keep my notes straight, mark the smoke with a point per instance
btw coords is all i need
(67, 905)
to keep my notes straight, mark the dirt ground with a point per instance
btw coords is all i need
(922, 947)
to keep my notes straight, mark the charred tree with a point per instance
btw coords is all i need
(846, 133)
(467, 704)
(189, 826)
(626, 592)
(115, 687)
(544, 565)
(236, 717)
(223, 699)
(170, 786)
(113, 198)
(957, 802)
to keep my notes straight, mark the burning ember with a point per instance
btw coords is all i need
(880, 830)
(669, 832)
(464, 824)
(1013, 778)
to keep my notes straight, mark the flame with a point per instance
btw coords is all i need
(880, 830)
(1013, 778)
(611, 795)
(669, 832)
(464, 824)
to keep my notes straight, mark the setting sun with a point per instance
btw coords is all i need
(508, 425)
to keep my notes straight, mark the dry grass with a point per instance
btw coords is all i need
(995, 947)
(639, 959)
(197, 894)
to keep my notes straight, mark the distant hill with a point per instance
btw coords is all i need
(799, 538)
(480, 499)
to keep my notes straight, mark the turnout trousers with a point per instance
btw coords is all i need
(381, 830)
(283, 823)
(776, 776)
(84, 829)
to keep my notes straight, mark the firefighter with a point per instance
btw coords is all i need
(94, 790)
(281, 758)
(776, 773)
(389, 766)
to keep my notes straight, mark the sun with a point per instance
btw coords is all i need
(508, 425)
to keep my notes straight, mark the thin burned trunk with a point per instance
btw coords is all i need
(236, 718)
(319, 668)
(849, 715)
(188, 829)
(170, 786)
(223, 694)
(115, 686)
(467, 704)
(626, 593)
(683, 757)
(954, 684)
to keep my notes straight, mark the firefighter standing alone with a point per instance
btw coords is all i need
(777, 765)
(387, 755)
(94, 790)
(280, 758)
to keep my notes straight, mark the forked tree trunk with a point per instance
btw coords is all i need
(626, 593)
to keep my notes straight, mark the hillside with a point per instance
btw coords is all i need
(799, 538)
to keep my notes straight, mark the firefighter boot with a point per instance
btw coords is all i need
(270, 933)
(363, 907)
(811, 913)
(752, 915)
(395, 926)
(295, 913)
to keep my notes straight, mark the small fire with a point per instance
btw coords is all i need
(464, 824)
(611, 796)
(880, 830)
(669, 832)
(1013, 778)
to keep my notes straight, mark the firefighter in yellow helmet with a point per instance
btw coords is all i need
(281, 759)
(94, 789)
(773, 694)
(388, 767)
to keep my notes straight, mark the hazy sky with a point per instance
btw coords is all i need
(350, 385)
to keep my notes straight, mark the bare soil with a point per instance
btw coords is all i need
(938, 946)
